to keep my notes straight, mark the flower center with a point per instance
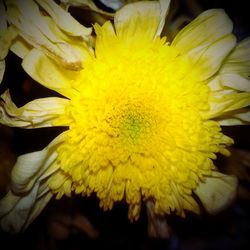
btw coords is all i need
(136, 127)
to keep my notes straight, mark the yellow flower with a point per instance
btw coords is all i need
(144, 115)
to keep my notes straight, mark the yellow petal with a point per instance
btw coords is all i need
(49, 73)
(138, 19)
(207, 28)
(239, 60)
(35, 114)
(217, 192)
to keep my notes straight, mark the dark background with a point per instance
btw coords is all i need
(229, 230)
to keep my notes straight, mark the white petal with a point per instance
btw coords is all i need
(240, 117)
(217, 192)
(35, 114)
(207, 28)
(239, 60)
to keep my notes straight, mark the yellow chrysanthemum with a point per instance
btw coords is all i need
(144, 115)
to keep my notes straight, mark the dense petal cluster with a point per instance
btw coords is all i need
(144, 115)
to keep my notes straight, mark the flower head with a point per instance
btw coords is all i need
(144, 116)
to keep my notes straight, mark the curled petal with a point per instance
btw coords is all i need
(49, 73)
(35, 114)
(217, 192)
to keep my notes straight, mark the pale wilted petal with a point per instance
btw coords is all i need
(35, 114)
(146, 14)
(217, 192)
(239, 60)
(14, 220)
(230, 80)
(33, 166)
(49, 73)
(36, 30)
(64, 20)
(203, 31)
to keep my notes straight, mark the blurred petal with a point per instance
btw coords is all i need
(49, 73)
(239, 60)
(203, 31)
(139, 18)
(217, 192)
(35, 114)
(164, 8)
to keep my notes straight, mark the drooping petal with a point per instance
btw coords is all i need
(33, 166)
(14, 220)
(64, 20)
(203, 31)
(49, 73)
(138, 19)
(239, 60)
(37, 31)
(35, 114)
(29, 192)
(217, 192)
